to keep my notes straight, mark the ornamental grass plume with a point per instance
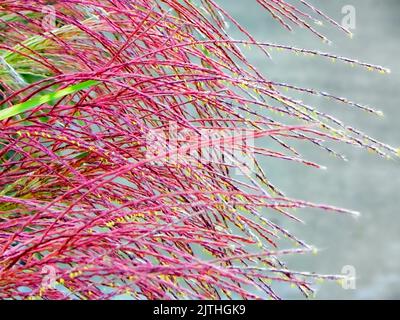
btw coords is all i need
(108, 112)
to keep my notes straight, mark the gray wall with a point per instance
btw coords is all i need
(366, 183)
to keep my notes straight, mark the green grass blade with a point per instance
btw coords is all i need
(34, 102)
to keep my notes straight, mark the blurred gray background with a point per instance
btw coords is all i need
(366, 183)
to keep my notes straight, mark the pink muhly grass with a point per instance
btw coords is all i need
(79, 194)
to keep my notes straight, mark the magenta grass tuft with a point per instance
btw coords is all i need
(91, 209)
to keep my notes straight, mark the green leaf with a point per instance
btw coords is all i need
(82, 155)
(37, 101)
(32, 77)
